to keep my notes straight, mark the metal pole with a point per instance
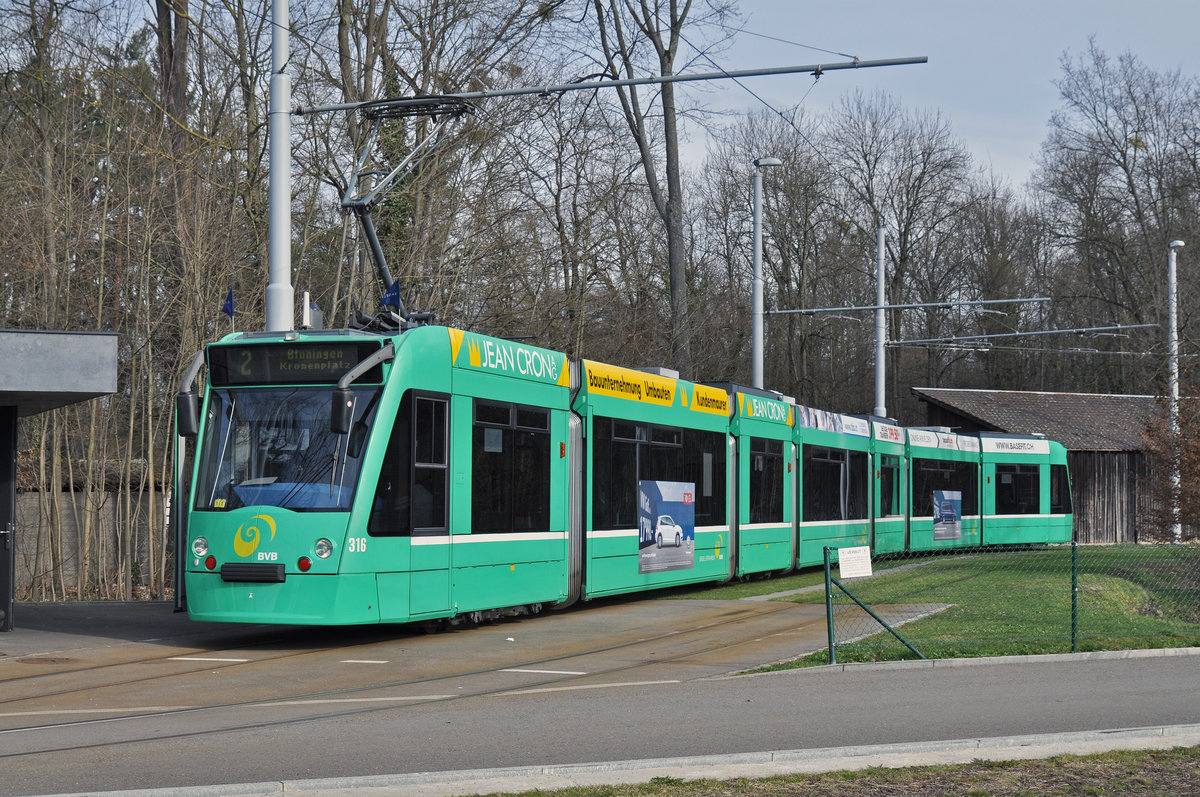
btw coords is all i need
(281, 314)
(1173, 367)
(756, 305)
(1074, 596)
(756, 310)
(179, 523)
(880, 329)
(829, 608)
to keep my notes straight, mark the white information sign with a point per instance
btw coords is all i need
(854, 562)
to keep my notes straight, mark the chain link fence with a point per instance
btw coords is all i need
(1011, 601)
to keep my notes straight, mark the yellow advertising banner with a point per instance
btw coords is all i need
(712, 400)
(626, 383)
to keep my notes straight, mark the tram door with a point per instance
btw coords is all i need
(410, 516)
(429, 591)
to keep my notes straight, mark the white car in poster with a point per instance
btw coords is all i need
(668, 532)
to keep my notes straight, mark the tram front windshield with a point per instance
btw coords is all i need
(273, 447)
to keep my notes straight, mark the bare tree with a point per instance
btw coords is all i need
(907, 173)
(626, 29)
(1118, 180)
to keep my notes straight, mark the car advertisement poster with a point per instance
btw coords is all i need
(947, 514)
(666, 526)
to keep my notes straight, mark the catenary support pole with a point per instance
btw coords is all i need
(1173, 368)
(281, 313)
(756, 312)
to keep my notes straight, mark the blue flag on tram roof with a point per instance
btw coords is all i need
(227, 308)
(392, 297)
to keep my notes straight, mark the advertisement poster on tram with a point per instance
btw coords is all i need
(666, 526)
(947, 514)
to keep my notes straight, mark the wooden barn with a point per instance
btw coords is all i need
(1103, 435)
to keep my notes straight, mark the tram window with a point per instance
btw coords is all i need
(660, 463)
(411, 495)
(891, 486)
(621, 430)
(491, 412)
(510, 468)
(704, 456)
(939, 474)
(766, 480)
(665, 435)
(822, 469)
(430, 466)
(1060, 490)
(625, 453)
(835, 484)
(858, 490)
(614, 474)
(533, 418)
(1017, 489)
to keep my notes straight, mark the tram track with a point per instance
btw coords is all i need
(699, 641)
(180, 654)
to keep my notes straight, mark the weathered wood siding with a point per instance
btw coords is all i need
(1105, 494)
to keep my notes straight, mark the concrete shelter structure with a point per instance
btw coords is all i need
(41, 371)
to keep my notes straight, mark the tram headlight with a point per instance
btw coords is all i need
(323, 548)
(200, 547)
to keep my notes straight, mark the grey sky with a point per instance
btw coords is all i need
(991, 64)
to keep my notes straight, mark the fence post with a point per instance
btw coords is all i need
(1074, 596)
(829, 608)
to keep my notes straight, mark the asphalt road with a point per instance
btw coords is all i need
(634, 680)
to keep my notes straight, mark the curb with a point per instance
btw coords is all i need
(724, 767)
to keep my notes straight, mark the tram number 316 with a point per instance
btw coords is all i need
(356, 545)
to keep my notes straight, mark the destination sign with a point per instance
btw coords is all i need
(299, 363)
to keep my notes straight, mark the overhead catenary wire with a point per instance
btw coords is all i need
(587, 85)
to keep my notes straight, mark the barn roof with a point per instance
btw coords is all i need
(1080, 421)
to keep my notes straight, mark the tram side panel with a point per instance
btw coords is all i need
(833, 491)
(1023, 490)
(409, 504)
(657, 467)
(1062, 517)
(889, 498)
(766, 477)
(471, 493)
(509, 519)
(944, 494)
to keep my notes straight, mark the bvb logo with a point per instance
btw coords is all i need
(249, 535)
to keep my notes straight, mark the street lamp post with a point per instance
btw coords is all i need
(880, 327)
(756, 334)
(1173, 376)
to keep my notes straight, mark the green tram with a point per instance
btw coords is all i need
(351, 477)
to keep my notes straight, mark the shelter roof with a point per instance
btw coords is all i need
(42, 371)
